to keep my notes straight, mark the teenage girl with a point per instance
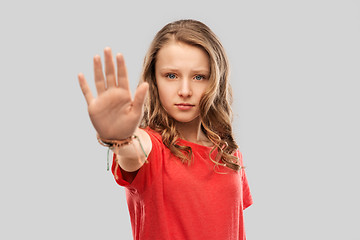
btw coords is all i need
(174, 150)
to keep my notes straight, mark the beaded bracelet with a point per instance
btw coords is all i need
(111, 144)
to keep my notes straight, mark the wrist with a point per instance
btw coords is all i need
(122, 147)
(115, 143)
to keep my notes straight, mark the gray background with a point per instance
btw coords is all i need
(295, 74)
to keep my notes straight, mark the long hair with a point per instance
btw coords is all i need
(215, 104)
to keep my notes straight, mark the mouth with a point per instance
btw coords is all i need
(184, 106)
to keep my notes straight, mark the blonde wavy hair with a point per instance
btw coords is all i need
(215, 104)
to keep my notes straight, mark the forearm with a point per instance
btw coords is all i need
(131, 157)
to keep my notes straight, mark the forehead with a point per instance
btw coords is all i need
(182, 56)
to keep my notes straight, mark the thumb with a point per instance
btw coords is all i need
(139, 97)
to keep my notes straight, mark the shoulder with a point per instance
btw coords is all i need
(155, 136)
(157, 145)
(238, 154)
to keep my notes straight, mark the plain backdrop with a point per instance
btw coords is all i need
(295, 76)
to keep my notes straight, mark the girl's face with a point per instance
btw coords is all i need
(182, 75)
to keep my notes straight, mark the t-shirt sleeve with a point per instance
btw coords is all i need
(145, 175)
(247, 198)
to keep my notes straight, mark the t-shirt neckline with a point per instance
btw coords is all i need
(192, 144)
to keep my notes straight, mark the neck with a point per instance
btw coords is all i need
(191, 132)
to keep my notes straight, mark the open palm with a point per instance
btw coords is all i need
(114, 114)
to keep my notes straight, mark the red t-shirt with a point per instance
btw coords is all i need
(171, 200)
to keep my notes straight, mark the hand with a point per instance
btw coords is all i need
(114, 114)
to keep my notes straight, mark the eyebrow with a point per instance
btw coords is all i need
(203, 70)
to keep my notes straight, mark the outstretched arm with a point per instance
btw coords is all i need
(113, 113)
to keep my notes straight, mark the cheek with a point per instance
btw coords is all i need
(166, 93)
(201, 91)
(164, 98)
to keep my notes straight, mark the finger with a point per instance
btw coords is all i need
(122, 75)
(109, 68)
(140, 96)
(99, 76)
(85, 89)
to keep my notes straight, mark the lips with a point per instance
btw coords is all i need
(184, 106)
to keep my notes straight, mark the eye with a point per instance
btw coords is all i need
(199, 77)
(170, 76)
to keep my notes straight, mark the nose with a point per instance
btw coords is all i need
(185, 88)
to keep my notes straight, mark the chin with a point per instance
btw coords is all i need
(187, 120)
